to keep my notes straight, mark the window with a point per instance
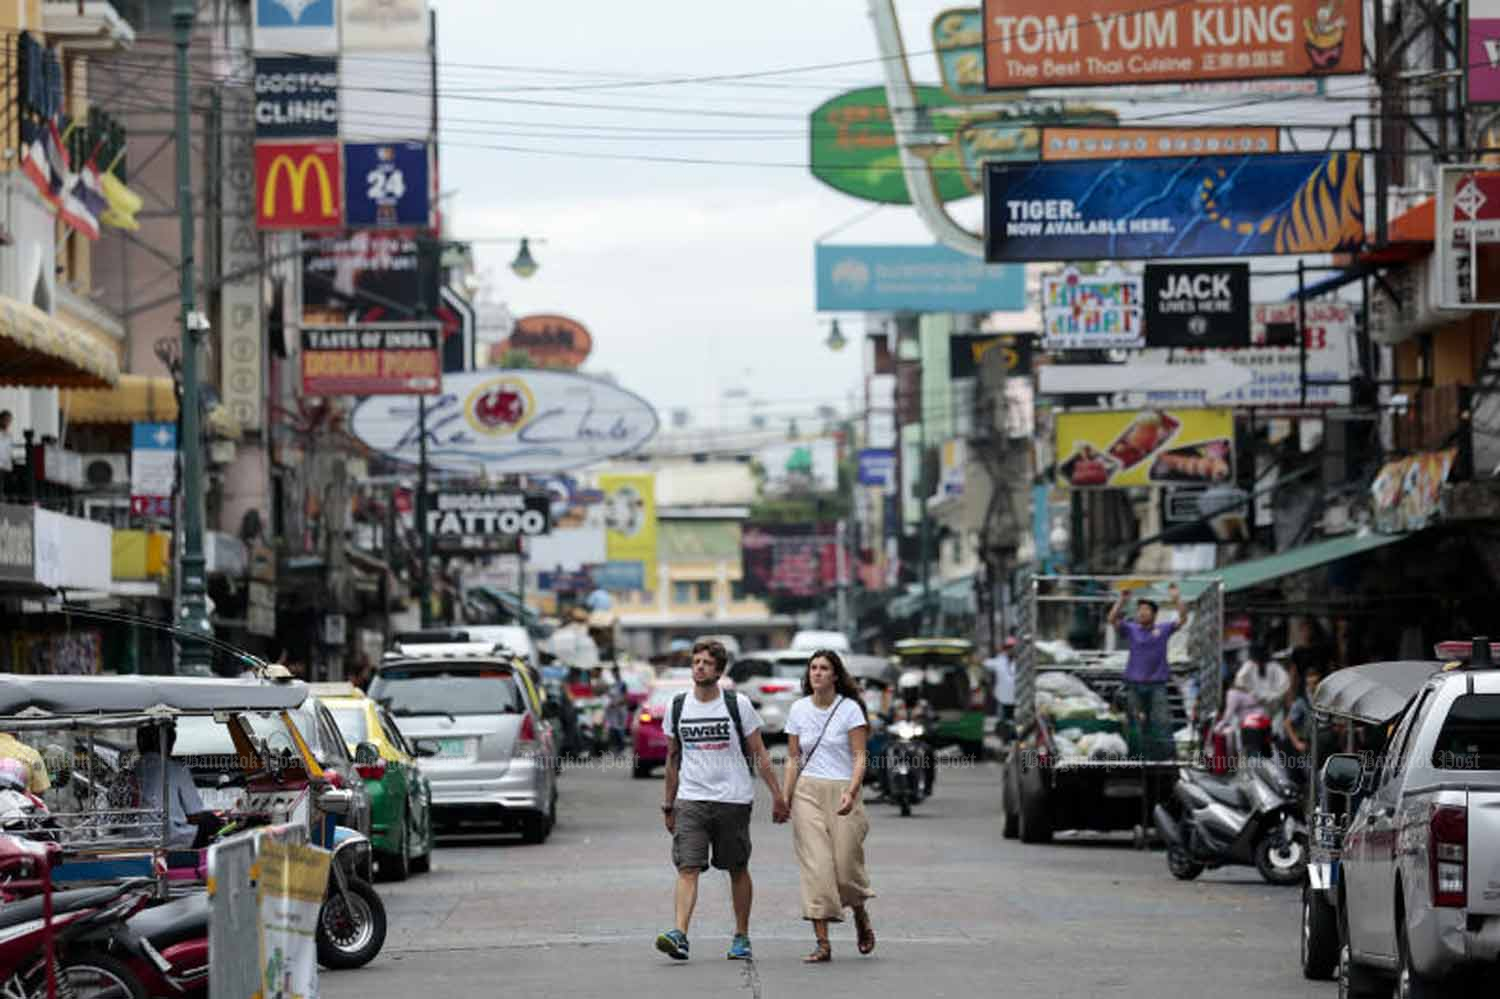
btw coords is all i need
(1400, 744)
(682, 593)
(1470, 736)
(737, 589)
(705, 591)
(693, 591)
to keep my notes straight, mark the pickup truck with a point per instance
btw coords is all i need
(1419, 880)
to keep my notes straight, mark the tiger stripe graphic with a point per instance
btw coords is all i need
(1328, 211)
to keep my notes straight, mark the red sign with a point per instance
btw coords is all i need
(384, 359)
(298, 185)
(550, 342)
(151, 506)
(1041, 43)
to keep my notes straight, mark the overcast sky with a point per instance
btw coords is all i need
(693, 278)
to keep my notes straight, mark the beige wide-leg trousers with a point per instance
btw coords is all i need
(830, 849)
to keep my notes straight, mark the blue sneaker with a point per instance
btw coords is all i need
(739, 949)
(674, 944)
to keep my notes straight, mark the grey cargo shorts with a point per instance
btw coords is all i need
(719, 827)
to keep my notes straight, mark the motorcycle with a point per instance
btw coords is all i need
(351, 925)
(1251, 819)
(907, 763)
(166, 947)
(79, 919)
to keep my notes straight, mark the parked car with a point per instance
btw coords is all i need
(1418, 896)
(479, 726)
(648, 733)
(730, 643)
(400, 797)
(773, 682)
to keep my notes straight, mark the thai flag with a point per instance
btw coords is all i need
(57, 158)
(84, 202)
(34, 157)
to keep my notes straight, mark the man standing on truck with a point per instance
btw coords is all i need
(1146, 671)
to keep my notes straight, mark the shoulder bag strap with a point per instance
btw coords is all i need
(808, 757)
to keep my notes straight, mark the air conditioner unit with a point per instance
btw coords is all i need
(106, 471)
(1417, 286)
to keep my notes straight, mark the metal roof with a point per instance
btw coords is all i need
(106, 695)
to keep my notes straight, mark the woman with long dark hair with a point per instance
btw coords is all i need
(827, 732)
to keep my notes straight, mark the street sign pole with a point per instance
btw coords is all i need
(192, 613)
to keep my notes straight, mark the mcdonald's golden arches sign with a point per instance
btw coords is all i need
(298, 185)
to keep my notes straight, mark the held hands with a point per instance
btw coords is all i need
(781, 810)
(846, 801)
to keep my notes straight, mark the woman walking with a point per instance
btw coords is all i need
(827, 733)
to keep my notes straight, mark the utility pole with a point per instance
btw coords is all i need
(192, 613)
(424, 535)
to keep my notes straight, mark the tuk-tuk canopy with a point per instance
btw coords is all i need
(1373, 693)
(115, 695)
(946, 647)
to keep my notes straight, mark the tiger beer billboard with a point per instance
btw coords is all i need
(1040, 43)
(299, 186)
(1175, 207)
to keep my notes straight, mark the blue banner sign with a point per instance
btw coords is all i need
(877, 467)
(1174, 207)
(914, 279)
(387, 184)
(618, 576)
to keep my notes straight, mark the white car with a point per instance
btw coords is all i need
(811, 641)
(773, 682)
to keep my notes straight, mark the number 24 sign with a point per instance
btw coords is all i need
(388, 183)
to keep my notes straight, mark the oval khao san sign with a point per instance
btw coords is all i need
(550, 341)
(502, 422)
(853, 147)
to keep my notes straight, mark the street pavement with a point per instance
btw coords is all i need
(960, 912)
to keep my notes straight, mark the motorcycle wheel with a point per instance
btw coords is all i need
(350, 937)
(1183, 867)
(99, 976)
(905, 806)
(1280, 862)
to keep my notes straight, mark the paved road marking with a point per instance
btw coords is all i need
(752, 978)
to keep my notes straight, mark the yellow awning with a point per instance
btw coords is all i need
(135, 399)
(41, 351)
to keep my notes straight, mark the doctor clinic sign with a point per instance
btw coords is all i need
(299, 186)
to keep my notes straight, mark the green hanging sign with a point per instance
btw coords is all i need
(854, 146)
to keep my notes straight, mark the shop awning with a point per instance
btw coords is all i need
(139, 399)
(39, 351)
(1247, 575)
(134, 399)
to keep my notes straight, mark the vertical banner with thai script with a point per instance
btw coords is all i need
(241, 298)
(291, 884)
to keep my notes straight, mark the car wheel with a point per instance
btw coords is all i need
(535, 828)
(1320, 936)
(1358, 982)
(396, 865)
(1410, 984)
(1035, 824)
(641, 770)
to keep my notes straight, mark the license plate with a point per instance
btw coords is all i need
(1122, 789)
(453, 749)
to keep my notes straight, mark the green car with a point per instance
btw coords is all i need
(400, 797)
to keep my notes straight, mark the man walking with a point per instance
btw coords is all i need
(1146, 671)
(715, 740)
(1003, 687)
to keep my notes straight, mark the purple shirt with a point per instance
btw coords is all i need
(1148, 651)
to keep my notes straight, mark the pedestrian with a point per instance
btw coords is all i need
(1299, 728)
(1146, 670)
(1263, 679)
(827, 732)
(714, 750)
(1003, 686)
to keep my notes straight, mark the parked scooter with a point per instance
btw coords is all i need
(351, 925)
(1252, 818)
(79, 918)
(166, 947)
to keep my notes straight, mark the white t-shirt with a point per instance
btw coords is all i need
(1004, 673)
(834, 760)
(181, 792)
(713, 763)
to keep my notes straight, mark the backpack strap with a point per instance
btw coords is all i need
(677, 715)
(732, 702)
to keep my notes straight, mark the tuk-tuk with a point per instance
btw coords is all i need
(1354, 712)
(944, 671)
(241, 743)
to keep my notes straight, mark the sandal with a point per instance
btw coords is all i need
(865, 930)
(821, 954)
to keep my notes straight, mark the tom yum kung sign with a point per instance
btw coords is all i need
(475, 520)
(374, 359)
(1028, 43)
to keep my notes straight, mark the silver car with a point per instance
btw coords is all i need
(773, 682)
(1420, 866)
(483, 743)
